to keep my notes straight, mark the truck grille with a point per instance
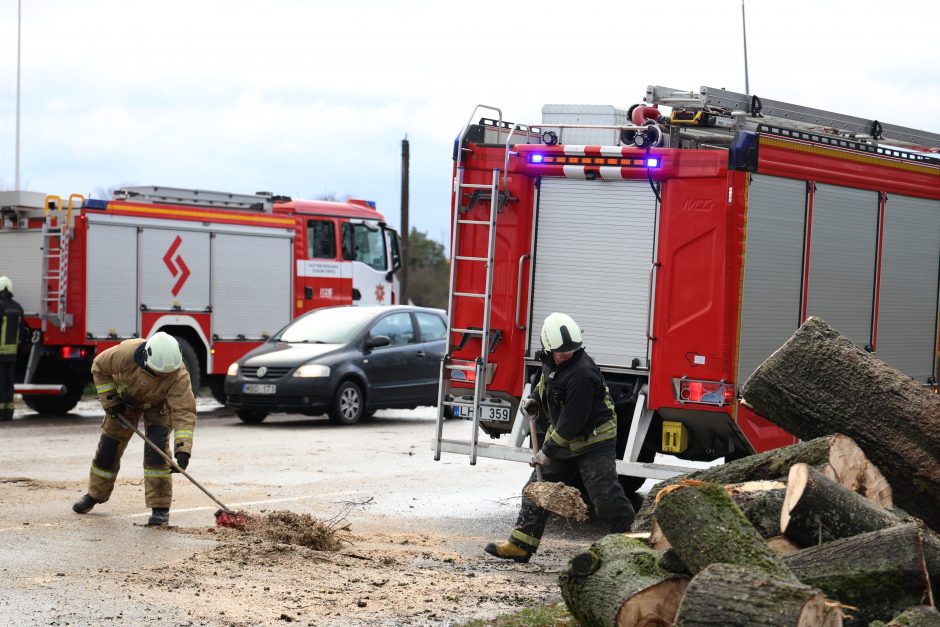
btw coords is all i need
(272, 372)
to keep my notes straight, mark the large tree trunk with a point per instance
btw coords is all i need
(729, 595)
(819, 383)
(617, 572)
(761, 502)
(836, 456)
(817, 509)
(920, 616)
(705, 527)
(881, 572)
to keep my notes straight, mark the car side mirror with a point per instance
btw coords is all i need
(377, 341)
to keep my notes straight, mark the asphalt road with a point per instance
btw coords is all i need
(61, 568)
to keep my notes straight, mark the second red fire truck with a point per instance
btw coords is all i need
(689, 245)
(219, 271)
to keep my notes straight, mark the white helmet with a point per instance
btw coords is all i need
(6, 284)
(560, 333)
(162, 353)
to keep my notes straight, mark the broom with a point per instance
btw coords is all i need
(558, 498)
(225, 517)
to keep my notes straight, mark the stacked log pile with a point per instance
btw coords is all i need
(804, 535)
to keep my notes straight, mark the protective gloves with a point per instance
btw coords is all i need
(530, 406)
(182, 459)
(114, 410)
(540, 459)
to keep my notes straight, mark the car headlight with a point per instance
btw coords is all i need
(233, 369)
(312, 370)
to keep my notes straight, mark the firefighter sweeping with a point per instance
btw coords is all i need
(146, 379)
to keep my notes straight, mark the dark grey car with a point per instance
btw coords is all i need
(346, 362)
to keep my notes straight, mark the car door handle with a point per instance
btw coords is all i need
(421, 353)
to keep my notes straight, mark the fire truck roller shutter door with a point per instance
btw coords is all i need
(112, 280)
(842, 260)
(21, 260)
(773, 268)
(907, 310)
(592, 262)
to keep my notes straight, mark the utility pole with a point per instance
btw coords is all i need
(747, 85)
(19, 13)
(403, 278)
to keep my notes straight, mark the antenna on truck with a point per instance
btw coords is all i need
(747, 85)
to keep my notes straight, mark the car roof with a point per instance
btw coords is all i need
(377, 309)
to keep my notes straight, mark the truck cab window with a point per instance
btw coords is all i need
(365, 243)
(321, 239)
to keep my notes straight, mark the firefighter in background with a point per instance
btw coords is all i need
(581, 438)
(133, 379)
(12, 330)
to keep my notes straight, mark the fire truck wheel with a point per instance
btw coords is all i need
(348, 404)
(251, 416)
(191, 361)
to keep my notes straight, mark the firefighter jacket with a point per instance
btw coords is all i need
(12, 328)
(120, 378)
(580, 411)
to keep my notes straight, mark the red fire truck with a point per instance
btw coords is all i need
(689, 245)
(219, 271)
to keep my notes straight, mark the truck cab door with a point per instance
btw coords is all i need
(321, 269)
(365, 245)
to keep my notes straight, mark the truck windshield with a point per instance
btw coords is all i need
(336, 325)
(366, 243)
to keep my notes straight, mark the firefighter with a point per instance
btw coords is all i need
(133, 379)
(12, 330)
(581, 438)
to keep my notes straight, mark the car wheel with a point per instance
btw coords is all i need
(251, 416)
(348, 404)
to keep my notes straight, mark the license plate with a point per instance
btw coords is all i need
(259, 388)
(489, 413)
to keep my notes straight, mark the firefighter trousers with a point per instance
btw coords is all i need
(598, 471)
(7, 378)
(158, 483)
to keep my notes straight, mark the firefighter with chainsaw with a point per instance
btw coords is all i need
(581, 439)
(133, 379)
(12, 331)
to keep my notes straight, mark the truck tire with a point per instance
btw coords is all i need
(57, 405)
(216, 383)
(191, 361)
(348, 404)
(251, 416)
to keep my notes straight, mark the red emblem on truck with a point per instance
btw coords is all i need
(176, 265)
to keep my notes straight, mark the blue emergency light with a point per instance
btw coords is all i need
(536, 158)
(652, 162)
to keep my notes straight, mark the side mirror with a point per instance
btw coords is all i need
(377, 341)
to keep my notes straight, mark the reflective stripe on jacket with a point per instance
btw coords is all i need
(119, 378)
(11, 326)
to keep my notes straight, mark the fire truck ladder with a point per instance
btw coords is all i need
(478, 366)
(262, 201)
(56, 234)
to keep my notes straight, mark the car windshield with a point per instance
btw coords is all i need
(326, 326)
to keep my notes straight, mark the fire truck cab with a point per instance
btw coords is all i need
(689, 246)
(221, 272)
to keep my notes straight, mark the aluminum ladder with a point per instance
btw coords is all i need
(451, 364)
(56, 235)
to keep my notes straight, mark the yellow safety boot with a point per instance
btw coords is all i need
(508, 551)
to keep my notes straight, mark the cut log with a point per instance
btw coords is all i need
(781, 545)
(880, 572)
(761, 502)
(836, 456)
(705, 527)
(920, 616)
(819, 383)
(817, 509)
(618, 571)
(730, 595)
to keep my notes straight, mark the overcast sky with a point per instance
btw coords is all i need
(313, 98)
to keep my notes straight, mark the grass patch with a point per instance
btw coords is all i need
(553, 615)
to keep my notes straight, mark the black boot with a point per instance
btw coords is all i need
(160, 517)
(84, 504)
